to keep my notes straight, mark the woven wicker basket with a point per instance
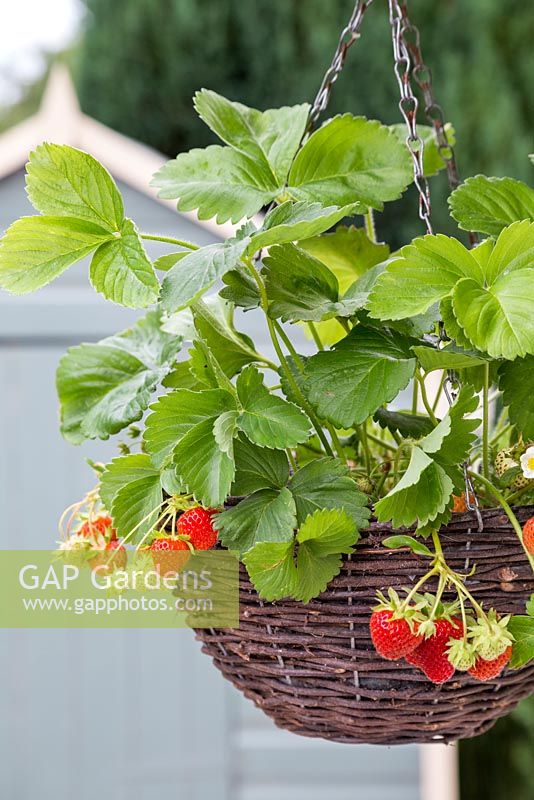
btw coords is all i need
(313, 670)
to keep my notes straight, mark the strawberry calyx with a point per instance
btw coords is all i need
(490, 636)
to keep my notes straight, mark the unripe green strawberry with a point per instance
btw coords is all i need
(461, 654)
(489, 635)
(365, 485)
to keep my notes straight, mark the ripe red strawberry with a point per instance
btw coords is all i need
(528, 535)
(459, 504)
(197, 524)
(108, 562)
(487, 670)
(169, 554)
(101, 525)
(431, 655)
(392, 636)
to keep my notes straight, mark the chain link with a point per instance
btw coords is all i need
(409, 104)
(348, 36)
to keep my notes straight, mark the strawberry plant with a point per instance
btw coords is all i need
(311, 445)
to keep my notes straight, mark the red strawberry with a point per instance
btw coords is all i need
(392, 636)
(197, 524)
(165, 554)
(107, 562)
(528, 535)
(431, 655)
(459, 504)
(487, 670)
(101, 525)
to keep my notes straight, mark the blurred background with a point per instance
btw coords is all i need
(139, 714)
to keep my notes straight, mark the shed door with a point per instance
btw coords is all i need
(126, 714)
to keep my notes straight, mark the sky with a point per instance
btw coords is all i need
(29, 27)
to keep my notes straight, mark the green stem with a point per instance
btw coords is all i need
(500, 433)
(362, 434)
(169, 240)
(415, 396)
(485, 423)
(291, 459)
(289, 344)
(424, 397)
(380, 442)
(315, 334)
(440, 389)
(370, 227)
(344, 324)
(421, 582)
(507, 510)
(283, 360)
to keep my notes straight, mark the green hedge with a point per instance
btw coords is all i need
(271, 52)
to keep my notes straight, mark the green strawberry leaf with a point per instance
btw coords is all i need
(198, 271)
(270, 137)
(240, 289)
(217, 182)
(423, 273)
(257, 468)
(299, 286)
(516, 382)
(350, 160)
(488, 205)
(266, 419)
(267, 515)
(176, 414)
(164, 263)
(365, 370)
(325, 483)
(122, 272)
(400, 541)
(347, 252)
(63, 181)
(182, 377)
(321, 540)
(36, 250)
(513, 250)
(522, 629)
(130, 488)
(106, 386)
(452, 326)
(291, 221)
(450, 357)
(451, 440)
(225, 431)
(422, 493)
(411, 426)
(498, 320)
(215, 324)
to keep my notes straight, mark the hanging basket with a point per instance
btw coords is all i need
(312, 668)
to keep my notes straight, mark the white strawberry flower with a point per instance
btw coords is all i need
(527, 462)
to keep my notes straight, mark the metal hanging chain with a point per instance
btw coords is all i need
(347, 38)
(422, 75)
(409, 105)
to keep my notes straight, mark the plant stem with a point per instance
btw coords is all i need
(438, 393)
(507, 510)
(485, 423)
(362, 434)
(283, 360)
(424, 397)
(500, 433)
(344, 324)
(370, 227)
(386, 445)
(170, 240)
(420, 583)
(315, 333)
(415, 396)
(291, 459)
